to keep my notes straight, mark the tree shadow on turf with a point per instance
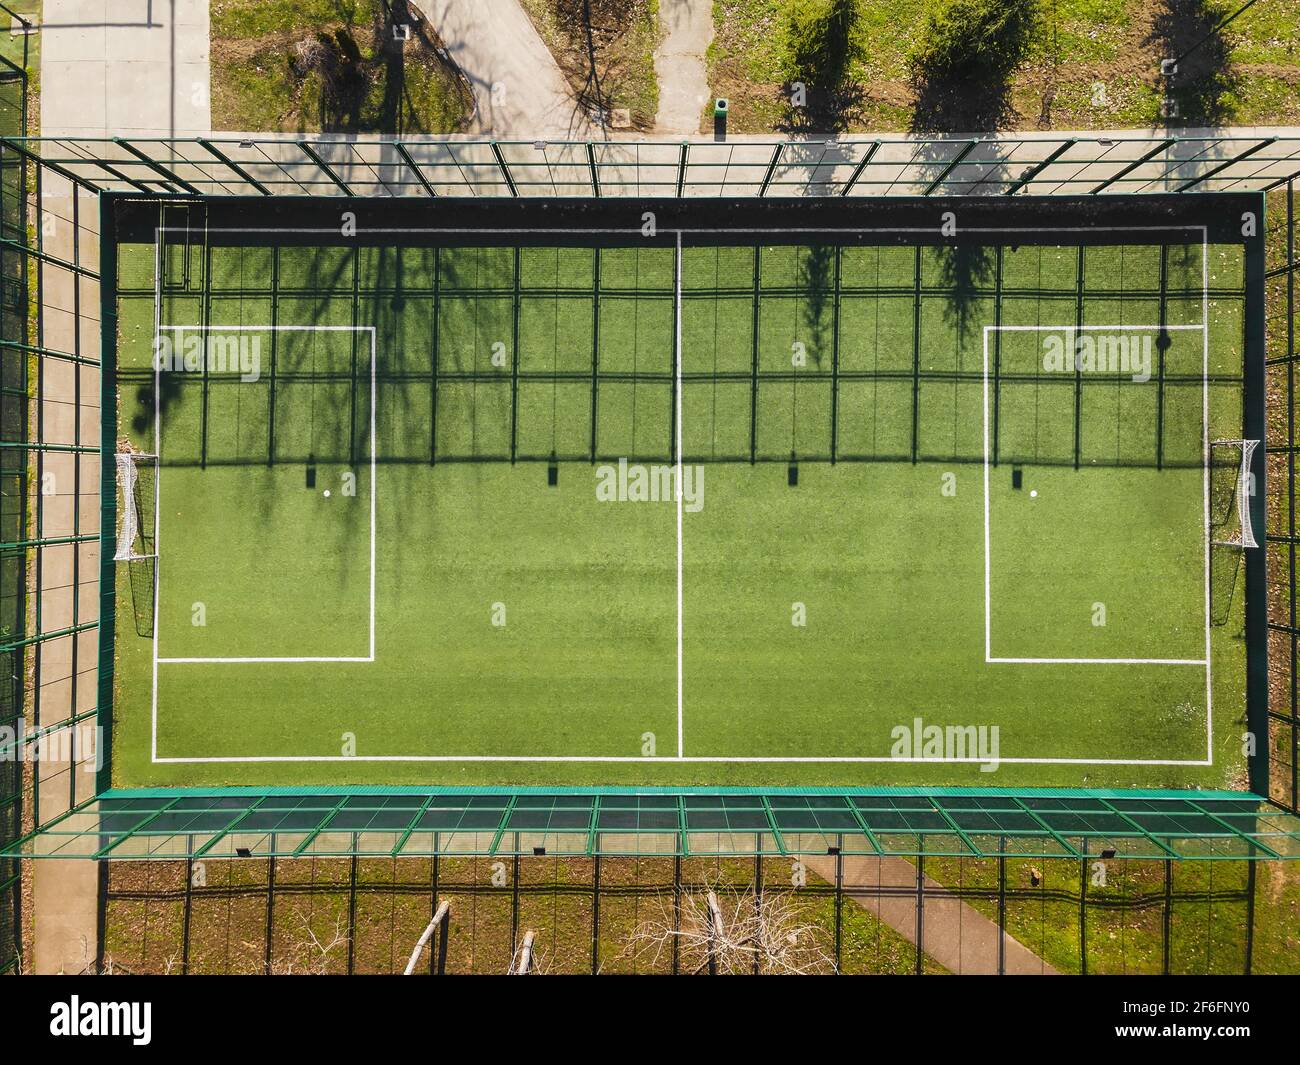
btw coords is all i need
(817, 280)
(965, 270)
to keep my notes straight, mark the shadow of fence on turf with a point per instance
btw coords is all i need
(481, 358)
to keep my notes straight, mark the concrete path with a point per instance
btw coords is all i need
(956, 935)
(109, 68)
(679, 64)
(124, 68)
(518, 87)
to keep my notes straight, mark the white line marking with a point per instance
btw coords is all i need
(755, 759)
(157, 490)
(1072, 328)
(677, 444)
(339, 658)
(668, 761)
(1106, 661)
(373, 453)
(989, 657)
(1205, 442)
(373, 487)
(988, 597)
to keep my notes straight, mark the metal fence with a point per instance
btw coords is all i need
(14, 331)
(1280, 336)
(643, 915)
(986, 165)
(50, 313)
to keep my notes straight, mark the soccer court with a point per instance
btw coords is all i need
(738, 508)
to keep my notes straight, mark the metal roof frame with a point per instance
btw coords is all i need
(196, 823)
(900, 165)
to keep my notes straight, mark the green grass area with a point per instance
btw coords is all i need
(145, 921)
(227, 926)
(1123, 912)
(24, 52)
(329, 66)
(1092, 64)
(18, 47)
(515, 619)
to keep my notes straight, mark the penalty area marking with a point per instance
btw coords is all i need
(370, 655)
(989, 657)
(239, 660)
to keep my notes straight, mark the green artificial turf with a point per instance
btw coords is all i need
(515, 619)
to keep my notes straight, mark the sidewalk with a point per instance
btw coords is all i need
(680, 67)
(518, 88)
(125, 68)
(956, 935)
(130, 68)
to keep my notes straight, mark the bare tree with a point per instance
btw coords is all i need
(312, 955)
(727, 932)
(439, 918)
(527, 959)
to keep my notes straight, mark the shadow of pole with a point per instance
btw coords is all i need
(1201, 90)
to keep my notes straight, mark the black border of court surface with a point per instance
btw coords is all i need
(971, 220)
(853, 220)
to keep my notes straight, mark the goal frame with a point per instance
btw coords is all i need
(1242, 494)
(128, 526)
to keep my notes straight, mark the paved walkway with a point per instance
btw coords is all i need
(109, 68)
(124, 68)
(679, 64)
(518, 87)
(956, 935)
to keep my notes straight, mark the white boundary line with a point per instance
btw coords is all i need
(680, 758)
(1100, 661)
(1205, 464)
(157, 495)
(670, 760)
(677, 384)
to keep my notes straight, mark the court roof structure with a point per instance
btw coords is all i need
(1080, 824)
(984, 165)
(179, 823)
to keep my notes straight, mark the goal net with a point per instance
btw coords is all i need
(137, 477)
(1231, 487)
(137, 486)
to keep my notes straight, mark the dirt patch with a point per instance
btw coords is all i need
(605, 49)
(339, 77)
